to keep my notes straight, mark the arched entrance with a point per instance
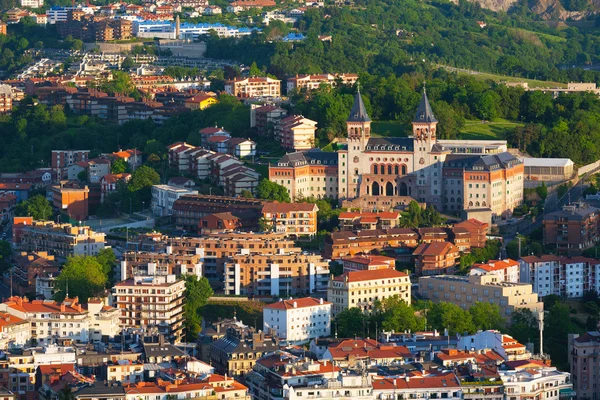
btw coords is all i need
(375, 189)
(389, 189)
(403, 189)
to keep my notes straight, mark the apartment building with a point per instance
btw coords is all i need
(238, 351)
(363, 288)
(312, 82)
(567, 277)
(477, 230)
(309, 173)
(137, 263)
(350, 243)
(466, 291)
(253, 87)
(433, 386)
(65, 158)
(367, 263)
(6, 94)
(572, 229)
(60, 240)
(214, 250)
(296, 132)
(295, 220)
(97, 168)
(283, 375)
(23, 363)
(505, 345)
(71, 200)
(68, 320)
(277, 273)
(190, 209)
(27, 267)
(164, 196)
(436, 258)
(298, 320)
(536, 381)
(361, 220)
(264, 118)
(507, 270)
(154, 302)
(213, 387)
(15, 331)
(493, 182)
(583, 361)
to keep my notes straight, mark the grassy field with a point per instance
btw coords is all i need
(476, 130)
(388, 129)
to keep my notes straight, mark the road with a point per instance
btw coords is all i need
(551, 204)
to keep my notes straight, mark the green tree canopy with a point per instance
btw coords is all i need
(37, 207)
(449, 316)
(197, 293)
(398, 316)
(84, 277)
(350, 323)
(486, 316)
(272, 191)
(118, 166)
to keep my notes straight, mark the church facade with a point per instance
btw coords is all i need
(453, 175)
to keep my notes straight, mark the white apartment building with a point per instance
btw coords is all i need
(430, 386)
(535, 383)
(562, 276)
(22, 366)
(298, 320)
(298, 379)
(508, 347)
(67, 320)
(14, 331)
(151, 302)
(32, 3)
(253, 87)
(311, 82)
(163, 197)
(507, 270)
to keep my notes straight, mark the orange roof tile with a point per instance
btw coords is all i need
(296, 303)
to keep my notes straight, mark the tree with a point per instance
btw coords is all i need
(450, 316)
(81, 276)
(246, 194)
(143, 177)
(83, 175)
(197, 293)
(127, 63)
(398, 316)
(542, 191)
(350, 323)
(486, 316)
(268, 190)
(108, 261)
(37, 207)
(524, 326)
(118, 166)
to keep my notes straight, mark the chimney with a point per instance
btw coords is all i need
(62, 307)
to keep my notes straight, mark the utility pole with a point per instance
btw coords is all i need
(519, 240)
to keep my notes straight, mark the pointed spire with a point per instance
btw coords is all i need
(424, 112)
(358, 113)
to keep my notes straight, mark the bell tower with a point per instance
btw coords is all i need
(358, 124)
(424, 124)
(427, 163)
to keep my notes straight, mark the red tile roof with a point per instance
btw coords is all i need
(359, 276)
(296, 303)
